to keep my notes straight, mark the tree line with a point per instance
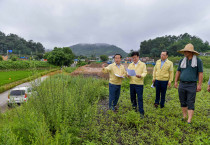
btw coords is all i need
(19, 45)
(153, 47)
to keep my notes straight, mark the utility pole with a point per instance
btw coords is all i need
(31, 56)
(7, 55)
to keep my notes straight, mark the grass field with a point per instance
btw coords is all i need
(73, 110)
(7, 77)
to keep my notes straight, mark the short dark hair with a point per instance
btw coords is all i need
(117, 54)
(165, 51)
(134, 53)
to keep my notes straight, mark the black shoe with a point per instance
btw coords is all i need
(115, 108)
(156, 105)
(161, 106)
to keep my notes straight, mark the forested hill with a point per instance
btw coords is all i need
(153, 47)
(19, 45)
(96, 49)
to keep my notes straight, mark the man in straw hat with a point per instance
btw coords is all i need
(190, 70)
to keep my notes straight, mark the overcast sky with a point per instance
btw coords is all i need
(124, 23)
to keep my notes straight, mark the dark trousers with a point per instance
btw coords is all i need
(137, 89)
(187, 94)
(161, 87)
(114, 94)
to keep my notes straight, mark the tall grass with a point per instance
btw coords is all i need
(62, 107)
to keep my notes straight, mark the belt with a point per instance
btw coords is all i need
(188, 82)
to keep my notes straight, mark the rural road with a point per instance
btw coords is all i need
(4, 95)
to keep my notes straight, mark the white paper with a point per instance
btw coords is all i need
(152, 85)
(131, 72)
(119, 76)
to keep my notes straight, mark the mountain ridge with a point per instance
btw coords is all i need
(97, 49)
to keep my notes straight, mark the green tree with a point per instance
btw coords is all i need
(93, 56)
(104, 57)
(153, 47)
(46, 55)
(13, 57)
(81, 57)
(129, 54)
(39, 56)
(19, 45)
(1, 59)
(60, 56)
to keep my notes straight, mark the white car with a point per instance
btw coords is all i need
(19, 95)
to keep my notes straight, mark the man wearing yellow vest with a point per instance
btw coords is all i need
(116, 74)
(137, 82)
(163, 74)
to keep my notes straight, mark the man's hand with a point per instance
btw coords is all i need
(153, 81)
(103, 65)
(208, 89)
(138, 76)
(198, 88)
(176, 85)
(169, 84)
(176, 79)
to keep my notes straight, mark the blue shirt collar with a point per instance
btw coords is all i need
(163, 60)
(117, 64)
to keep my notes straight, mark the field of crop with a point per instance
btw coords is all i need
(7, 77)
(73, 110)
(22, 65)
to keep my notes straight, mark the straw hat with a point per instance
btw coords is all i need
(189, 47)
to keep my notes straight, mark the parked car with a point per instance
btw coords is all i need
(19, 95)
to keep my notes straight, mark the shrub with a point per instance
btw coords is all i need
(13, 57)
(81, 63)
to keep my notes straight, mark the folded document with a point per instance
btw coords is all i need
(119, 76)
(131, 72)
